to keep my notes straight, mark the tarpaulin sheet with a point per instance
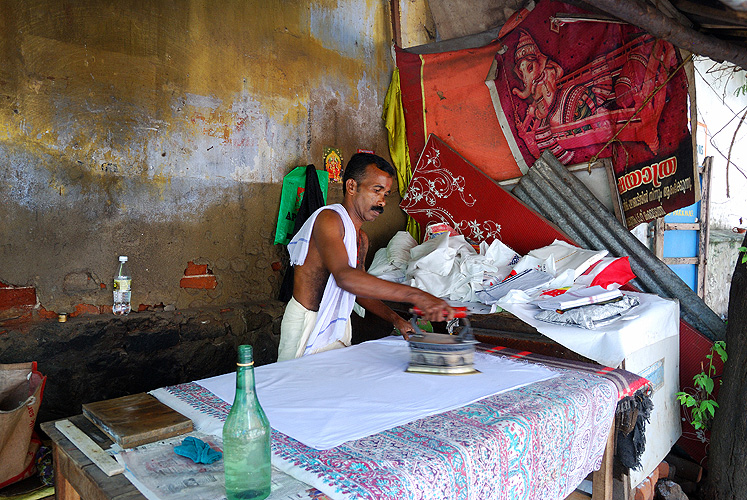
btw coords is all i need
(445, 94)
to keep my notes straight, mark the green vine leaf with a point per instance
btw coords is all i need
(720, 347)
(700, 402)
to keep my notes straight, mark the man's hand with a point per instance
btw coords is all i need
(404, 327)
(433, 308)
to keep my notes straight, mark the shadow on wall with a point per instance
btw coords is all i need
(94, 358)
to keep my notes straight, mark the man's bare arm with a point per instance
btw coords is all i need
(386, 313)
(328, 231)
(376, 306)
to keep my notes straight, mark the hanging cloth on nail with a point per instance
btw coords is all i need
(314, 197)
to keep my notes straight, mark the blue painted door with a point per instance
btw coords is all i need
(683, 243)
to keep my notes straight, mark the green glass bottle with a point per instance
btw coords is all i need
(246, 438)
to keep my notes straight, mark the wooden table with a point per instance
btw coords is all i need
(76, 477)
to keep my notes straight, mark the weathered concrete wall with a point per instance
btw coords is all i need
(720, 108)
(161, 130)
(723, 251)
(102, 357)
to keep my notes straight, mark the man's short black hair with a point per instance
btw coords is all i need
(356, 168)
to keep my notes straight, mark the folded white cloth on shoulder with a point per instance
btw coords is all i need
(337, 304)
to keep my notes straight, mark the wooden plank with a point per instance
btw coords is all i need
(99, 437)
(136, 419)
(91, 483)
(673, 261)
(682, 226)
(63, 490)
(578, 495)
(659, 238)
(705, 220)
(90, 449)
(82, 478)
(614, 191)
(65, 446)
(601, 483)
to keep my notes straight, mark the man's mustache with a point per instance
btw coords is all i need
(378, 209)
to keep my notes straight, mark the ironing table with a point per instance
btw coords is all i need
(539, 439)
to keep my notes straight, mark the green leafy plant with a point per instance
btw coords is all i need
(743, 251)
(700, 402)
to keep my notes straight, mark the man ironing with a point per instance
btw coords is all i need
(328, 253)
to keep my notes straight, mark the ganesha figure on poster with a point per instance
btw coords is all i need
(587, 107)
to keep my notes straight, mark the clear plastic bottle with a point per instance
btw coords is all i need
(122, 288)
(246, 438)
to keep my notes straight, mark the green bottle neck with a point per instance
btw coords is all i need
(245, 391)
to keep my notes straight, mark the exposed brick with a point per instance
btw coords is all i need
(664, 471)
(644, 491)
(44, 314)
(81, 309)
(205, 282)
(195, 269)
(15, 316)
(23, 297)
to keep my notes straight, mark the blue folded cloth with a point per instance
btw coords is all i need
(197, 450)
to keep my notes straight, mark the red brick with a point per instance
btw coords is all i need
(663, 470)
(644, 491)
(205, 282)
(81, 309)
(17, 297)
(277, 266)
(44, 314)
(196, 270)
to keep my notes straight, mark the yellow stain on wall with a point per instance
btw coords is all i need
(108, 83)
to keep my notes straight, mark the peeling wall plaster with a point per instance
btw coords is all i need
(163, 129)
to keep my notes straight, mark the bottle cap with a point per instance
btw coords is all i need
(122, 258)
(245, 354)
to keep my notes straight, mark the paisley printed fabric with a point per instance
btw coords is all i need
(539, 441)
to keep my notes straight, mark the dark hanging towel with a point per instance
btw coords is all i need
(313, 199)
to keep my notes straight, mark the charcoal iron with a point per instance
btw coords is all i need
(441, 353)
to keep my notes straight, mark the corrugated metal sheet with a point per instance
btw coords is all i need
(556, 194)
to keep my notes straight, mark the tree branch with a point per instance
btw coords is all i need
(652, 20)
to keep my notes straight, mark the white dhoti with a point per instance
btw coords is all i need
(298, 323)
(331, 324)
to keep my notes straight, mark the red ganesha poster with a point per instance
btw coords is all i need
(582, 88)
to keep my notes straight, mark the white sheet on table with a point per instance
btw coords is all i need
(654, 319)
(332, 397)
